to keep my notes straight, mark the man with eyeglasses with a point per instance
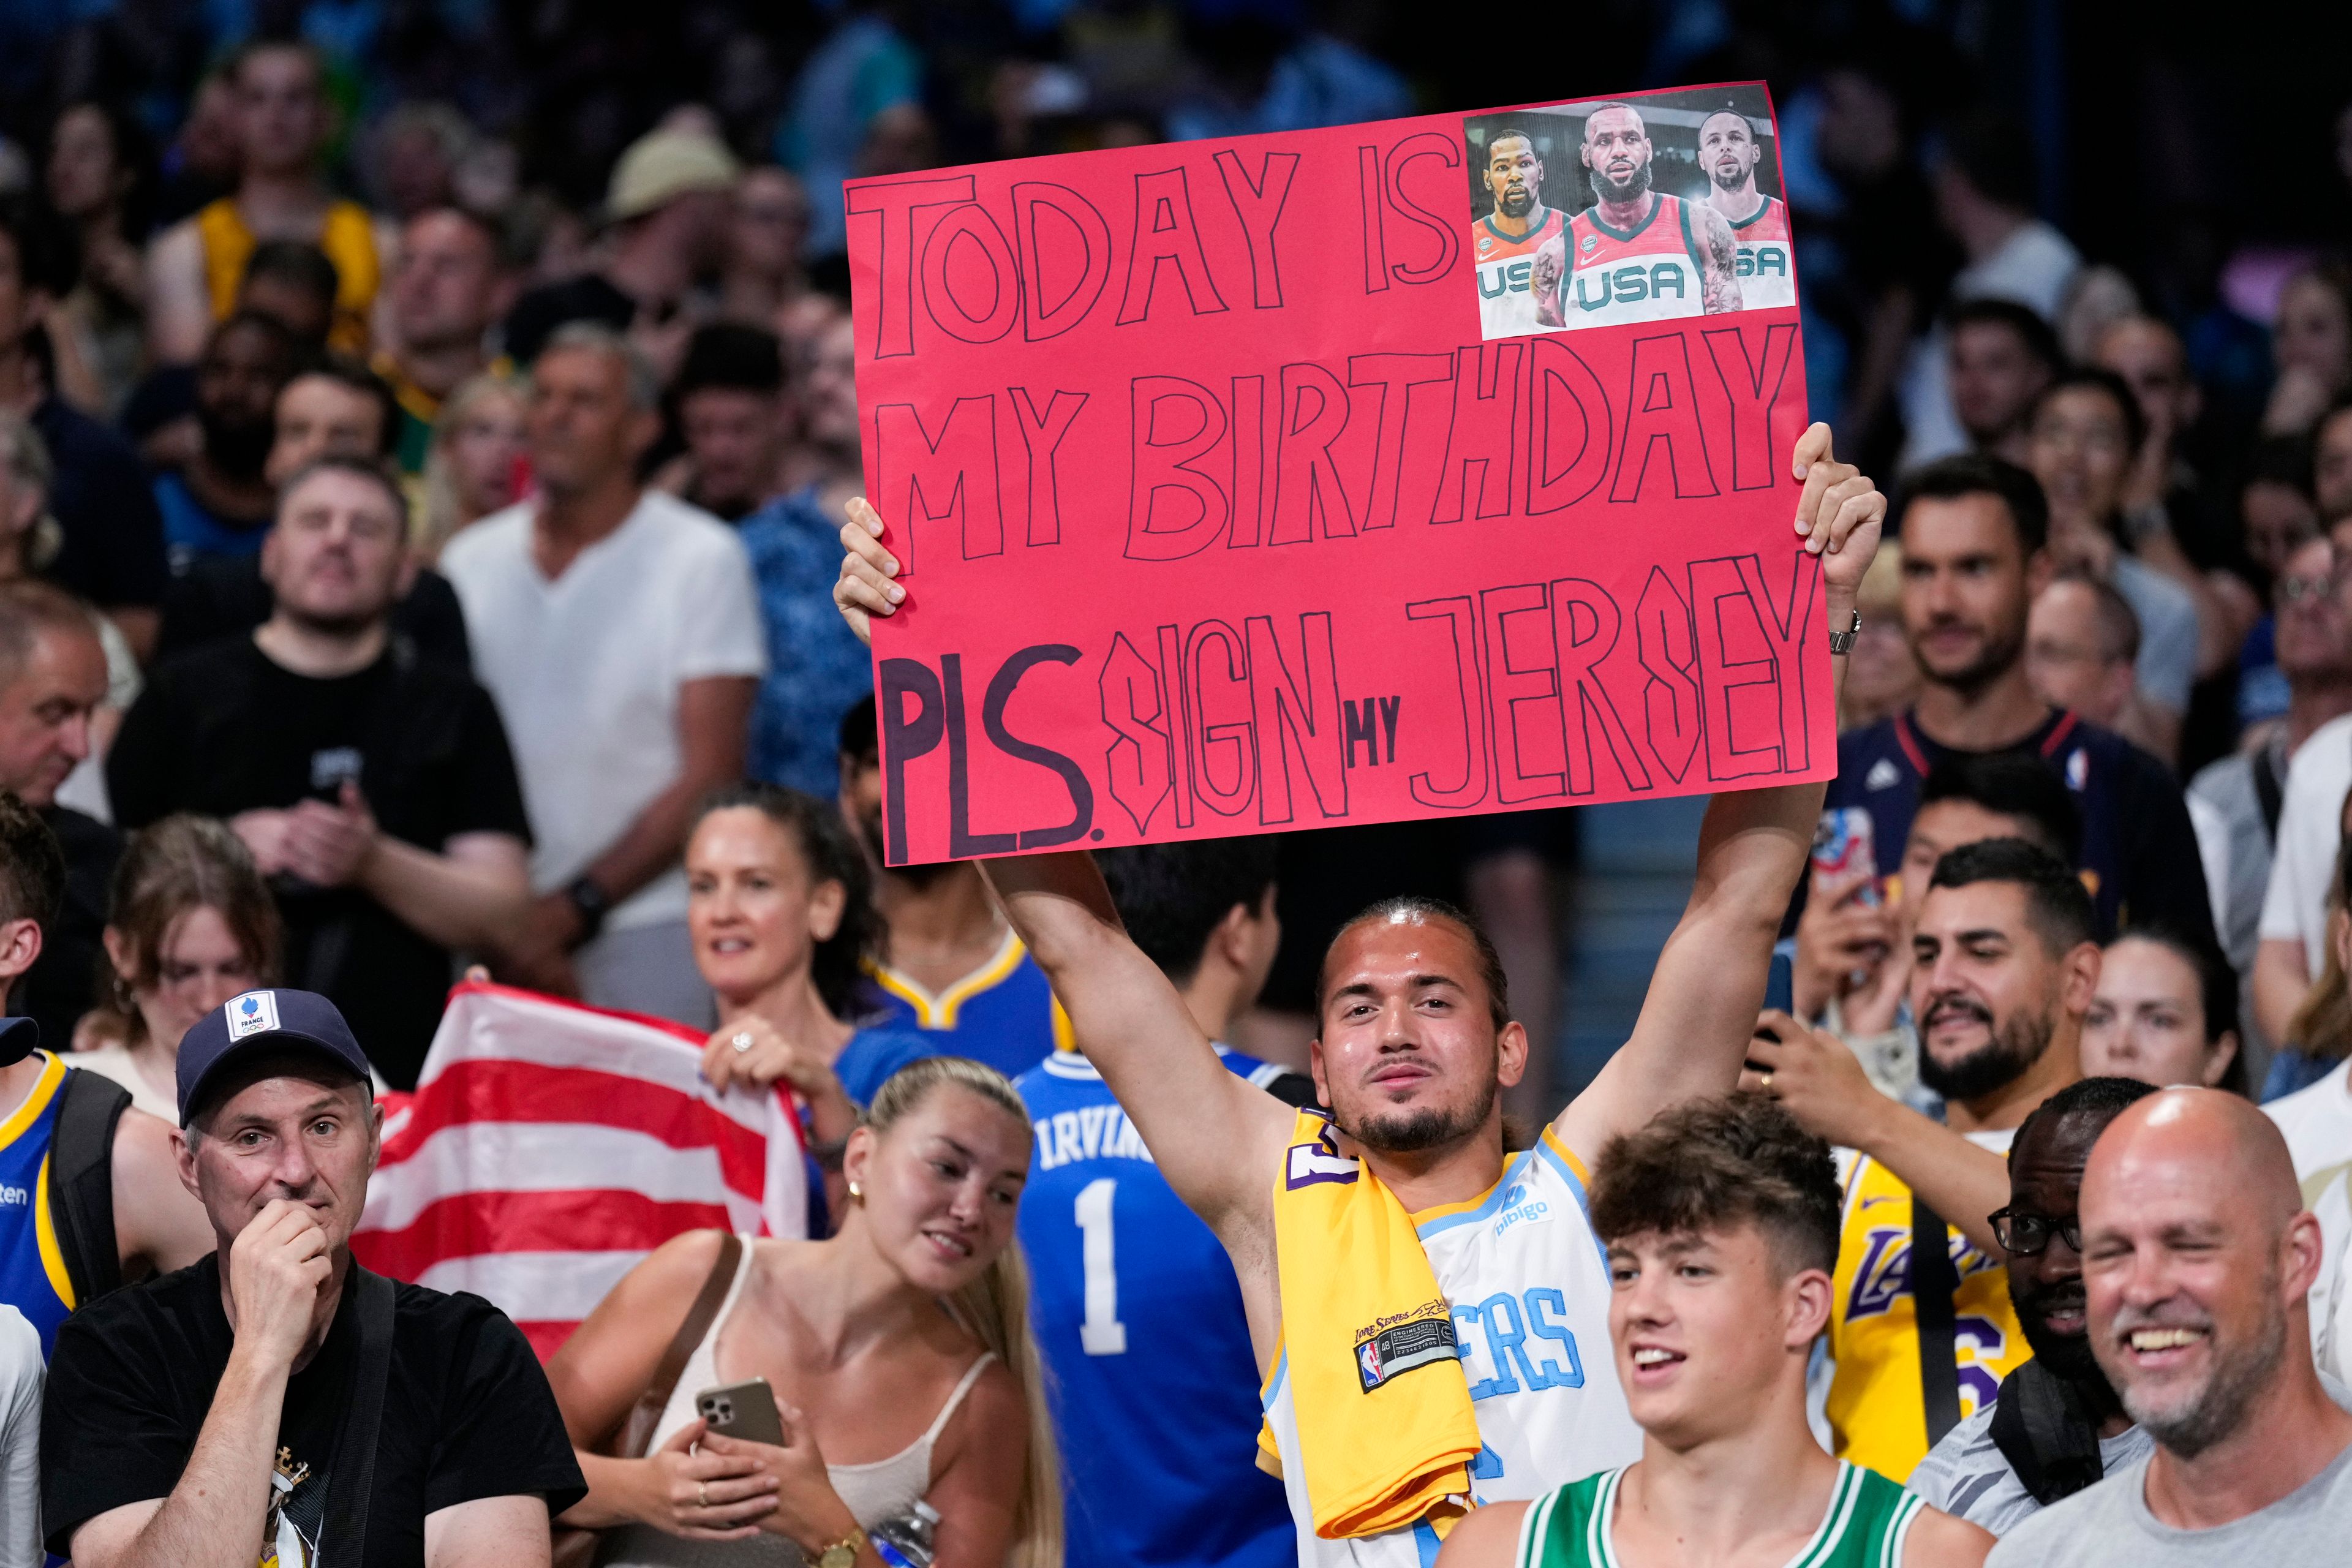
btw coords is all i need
(2243, 795)
(2057, 1426)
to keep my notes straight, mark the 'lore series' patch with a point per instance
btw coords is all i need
(1397, 1344)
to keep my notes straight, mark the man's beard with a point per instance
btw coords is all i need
(1609, 190)
(1727, 181)
(1515, 203)
(2218, 1409)
(2014, 1047)
(1424, 1127)
(1997, 657)
(238, 451)
(2068, 1355)
(869, 829)
(339, 628)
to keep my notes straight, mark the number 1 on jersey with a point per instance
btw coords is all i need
(1101, 1333)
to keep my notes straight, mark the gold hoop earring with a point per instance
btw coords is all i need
(856, 1193)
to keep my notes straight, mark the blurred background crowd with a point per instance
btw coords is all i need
(2107, 246)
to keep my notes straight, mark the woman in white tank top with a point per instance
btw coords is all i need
(897, 1351)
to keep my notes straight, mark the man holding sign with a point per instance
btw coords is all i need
(1397, 1235)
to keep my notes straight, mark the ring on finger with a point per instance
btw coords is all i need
(1765, 1083)
(741, 1040)
(702, 1494)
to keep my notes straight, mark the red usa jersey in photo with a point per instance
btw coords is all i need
(1648, 273)
(1507, 298)
(1768, 268)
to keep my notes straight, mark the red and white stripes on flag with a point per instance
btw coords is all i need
(550, 1146)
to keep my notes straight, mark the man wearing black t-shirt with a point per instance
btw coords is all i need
(1973, 532)
(274, 1401)
(374, 786)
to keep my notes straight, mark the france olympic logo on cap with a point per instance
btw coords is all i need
(254, 1012)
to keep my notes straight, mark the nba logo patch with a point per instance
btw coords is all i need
(254, 1012)
(1396, 1345)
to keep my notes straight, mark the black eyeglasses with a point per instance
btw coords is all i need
(2023, 1235)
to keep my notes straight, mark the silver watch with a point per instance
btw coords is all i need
(1843, 642)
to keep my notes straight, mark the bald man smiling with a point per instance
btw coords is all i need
(2197, 1255)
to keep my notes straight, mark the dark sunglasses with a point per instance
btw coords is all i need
(2023, 1235)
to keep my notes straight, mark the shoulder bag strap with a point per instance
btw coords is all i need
(81, 1182)
(637, 1431)
(1934, 1282)
(342, 1534)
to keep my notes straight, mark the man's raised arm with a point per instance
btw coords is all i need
(1214, 1136)
(1708, 985)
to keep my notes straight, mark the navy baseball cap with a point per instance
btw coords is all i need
(19, 1037)
(260, 1021)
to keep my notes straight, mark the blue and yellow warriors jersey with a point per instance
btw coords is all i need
(1878, 1414)
(1139, 1318)
(33, 1278)
(1003, 1013)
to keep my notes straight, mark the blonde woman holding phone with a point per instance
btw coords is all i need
(897, 1351)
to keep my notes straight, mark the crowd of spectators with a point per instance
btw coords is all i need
(425, 439)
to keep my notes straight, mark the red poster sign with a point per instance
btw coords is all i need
(1407, 469)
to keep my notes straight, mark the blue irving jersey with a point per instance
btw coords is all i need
(1139, 1318)
(1003, 1013)
(33, 1278)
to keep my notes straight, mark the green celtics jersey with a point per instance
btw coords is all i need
(1868, 1517)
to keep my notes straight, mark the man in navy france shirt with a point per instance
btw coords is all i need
(1973, 531)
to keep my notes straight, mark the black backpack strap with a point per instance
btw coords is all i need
(81, 1182)
(2049, 1436)
(342, 1534)
(1934, 1282)
(2270, 791)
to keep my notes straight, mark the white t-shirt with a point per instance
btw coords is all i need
(2035, 266)
(2317, 1123)
(20, 1441)
(586, 669)
(2167, 614)
(2302, 860)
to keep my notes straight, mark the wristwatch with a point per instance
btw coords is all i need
(593, 903)
(842, 1553)
(1843, 642)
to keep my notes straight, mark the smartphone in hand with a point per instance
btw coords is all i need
(745, 1410)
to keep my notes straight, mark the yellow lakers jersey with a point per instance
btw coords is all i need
(1877, 1415)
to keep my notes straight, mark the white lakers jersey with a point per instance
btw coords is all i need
(1530, 1290)
(1506, 301)
(1767, 271)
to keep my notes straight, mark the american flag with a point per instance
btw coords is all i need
(550, 1146)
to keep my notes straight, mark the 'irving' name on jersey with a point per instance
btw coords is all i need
(1089, 1132)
